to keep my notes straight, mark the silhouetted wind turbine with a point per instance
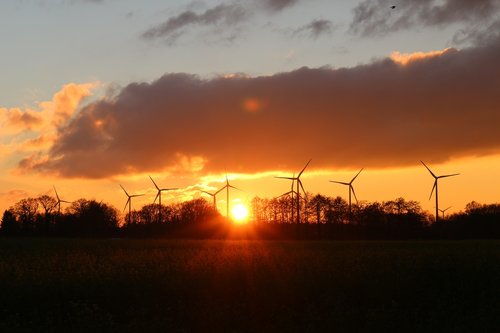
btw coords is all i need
(59, 200)
(299, 183)
(444, 210)
(129, 201)
(351, 188)
(158, 195)
(214, 196)
(291, 193)
(227, 186)
(436, 187)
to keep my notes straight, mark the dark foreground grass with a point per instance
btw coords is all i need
(156, 285)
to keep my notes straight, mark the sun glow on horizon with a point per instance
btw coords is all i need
(239, 213)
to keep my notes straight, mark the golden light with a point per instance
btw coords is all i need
(240, 213)
(252, 104)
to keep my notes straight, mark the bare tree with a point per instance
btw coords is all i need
(48, 203)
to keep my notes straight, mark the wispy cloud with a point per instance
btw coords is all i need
(223, 19)
(221, 15)
(315, 29)
(278, 5)
(375, 17)
(383, 114)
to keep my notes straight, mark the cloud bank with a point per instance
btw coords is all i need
(388, 113)
(375, 17)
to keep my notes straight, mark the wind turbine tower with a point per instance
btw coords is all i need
(213, 195)
(436, 178)
(444, 211)
(291, 193)
(158, 195)
(129, 202)
(299, 183)
(351, 189)
(226, 187)
(59, 200)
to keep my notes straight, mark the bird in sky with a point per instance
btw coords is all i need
(393, 7)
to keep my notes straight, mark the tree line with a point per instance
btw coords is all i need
(321, 217)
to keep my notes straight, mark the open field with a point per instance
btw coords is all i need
(165, 285)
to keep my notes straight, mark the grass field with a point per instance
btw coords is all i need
(158, 285)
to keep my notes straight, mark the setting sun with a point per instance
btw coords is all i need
(240, 213)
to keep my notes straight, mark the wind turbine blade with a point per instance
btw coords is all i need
(157, 195)
(210, 194)
(136, 195)
(64, 201)
(285, 194)
(304, 168)
(301, 186)
(126, 204)
(169, 189)
(57, 195)
(353, 192)
(289, 178)
(154, 183)
(433, 187)
(221, 189)
(336, 182)
(455, 174)
(231, 186)
(124, 190)
(356, 175)
(432, 173)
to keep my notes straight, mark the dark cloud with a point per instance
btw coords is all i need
(278, 5)
(382, 114)
(221, 15)
(478, 34)
(315, 29)
(375, 17)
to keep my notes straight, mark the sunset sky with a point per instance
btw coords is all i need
(97, 93)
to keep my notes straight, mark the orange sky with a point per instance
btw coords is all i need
(184, 131)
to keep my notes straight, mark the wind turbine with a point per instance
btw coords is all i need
(59, 200)
(351, 188)
(291, 193)
(299, 183)
(444, 210)
(212, 195)
(227, 186)
(129, 201)
(158, 195)
(436, 187)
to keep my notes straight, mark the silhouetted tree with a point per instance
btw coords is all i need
(45, 224)
(10, 226)
(48, 203)
(25, 211)
(150, 214)
(92, 218)
(195, 211)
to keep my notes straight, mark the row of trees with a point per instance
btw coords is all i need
(42, 216)
(322, 209)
